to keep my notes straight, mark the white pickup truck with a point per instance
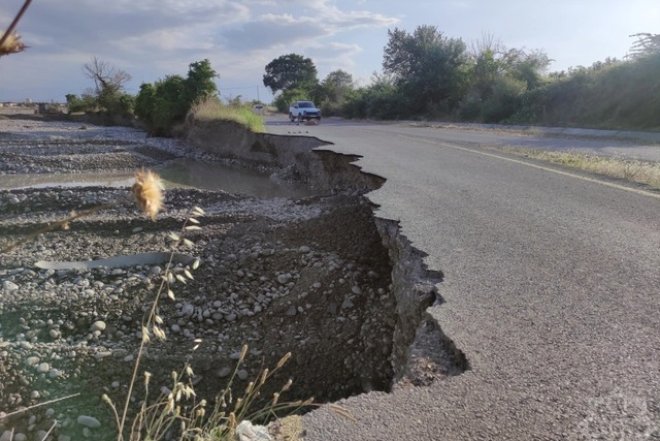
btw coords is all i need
(304, 111)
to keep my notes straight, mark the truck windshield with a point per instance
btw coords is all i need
(305, 104)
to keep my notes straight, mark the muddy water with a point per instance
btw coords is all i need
(175, 174)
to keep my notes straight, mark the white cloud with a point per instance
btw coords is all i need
(154, 38)
(323, 20)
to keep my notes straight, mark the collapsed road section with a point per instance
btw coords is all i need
(317, 276)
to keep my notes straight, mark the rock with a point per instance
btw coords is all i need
(89, 422)
(242, 374)
(356, 290)
(98, 325)
(223, 372)
(304, 249)
(9, 286)
(291, 311)
(22, 437)
(246, 431)
(284, 278)
(43, 368)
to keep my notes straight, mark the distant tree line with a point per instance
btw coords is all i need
(429, 75)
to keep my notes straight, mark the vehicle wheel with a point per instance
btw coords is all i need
(291, 118)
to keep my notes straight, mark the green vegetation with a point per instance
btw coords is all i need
(164, 104)
(610, 94)
(429, 75)
(213, 109)
(108, 98)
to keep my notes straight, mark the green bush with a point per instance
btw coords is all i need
(166, 103)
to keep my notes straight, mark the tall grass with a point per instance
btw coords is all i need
(213, 109)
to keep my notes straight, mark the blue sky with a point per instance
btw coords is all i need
(152, 38)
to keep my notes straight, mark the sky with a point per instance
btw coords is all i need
(150, 39)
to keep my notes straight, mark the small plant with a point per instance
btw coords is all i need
(176, 414)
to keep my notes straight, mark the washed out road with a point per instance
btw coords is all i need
(551, 289)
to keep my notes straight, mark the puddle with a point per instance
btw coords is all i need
(214, 176)
(177, 173)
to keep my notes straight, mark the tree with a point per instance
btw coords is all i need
(144, 103)
(429, 67)
(200, 82)
(167, 102)
(336, 85)
(645, 45)
(105, 76)
(288, 72)
(109, 88)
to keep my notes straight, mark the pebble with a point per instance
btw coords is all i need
(9, 286)
(246, 431)
(98, 325)
(43, 368)
(242, 374)
(284, 278)
(356, 290)
(89, 421)
(224, 372)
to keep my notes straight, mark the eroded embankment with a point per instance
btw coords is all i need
(420, 350)
(320, 277)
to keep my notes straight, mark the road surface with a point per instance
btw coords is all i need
(552, 291)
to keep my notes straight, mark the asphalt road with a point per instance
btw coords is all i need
(552, 291)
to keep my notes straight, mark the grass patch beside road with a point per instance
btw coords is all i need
(632, 170)
(211, 109)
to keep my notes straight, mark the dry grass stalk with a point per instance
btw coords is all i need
(148, 192)
(632, 170)
(12, 45)
(10, 42)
